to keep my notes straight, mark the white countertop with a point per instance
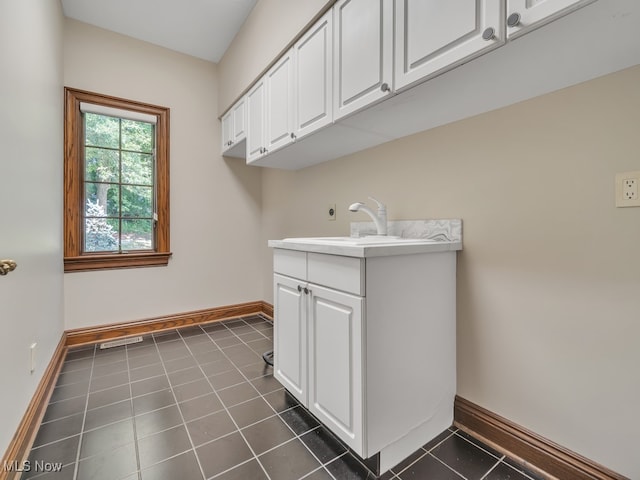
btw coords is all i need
(365, 248)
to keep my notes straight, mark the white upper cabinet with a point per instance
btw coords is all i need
(255, 122)
(363, 53)
(239, 111)
(227, 130)
(371, 71)
(279, 104)
(525, 15)
(234, 130)
(434, 35)
(313, 78)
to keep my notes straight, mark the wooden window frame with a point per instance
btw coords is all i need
(74, 258)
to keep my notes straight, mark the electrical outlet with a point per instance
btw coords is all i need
(630, 189)
(331, 212)
(627, 189)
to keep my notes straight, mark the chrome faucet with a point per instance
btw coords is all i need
(380, 219)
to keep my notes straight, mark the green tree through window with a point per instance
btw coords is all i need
(119, 184)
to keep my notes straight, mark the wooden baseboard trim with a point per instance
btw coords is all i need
(20, 446)
(267, 309)
(81, 336)
(527, 447)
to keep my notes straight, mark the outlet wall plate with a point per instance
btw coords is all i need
(331, 211)
(628, 189)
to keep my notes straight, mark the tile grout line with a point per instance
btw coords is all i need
(199, 347)
(277, 414)
(491, 470)
(479, 447)
(426, 452)
(77, 460)
(238, 368)
(224, 406)
(163, 375)
(184, 423)
(84, 417)
(133, 417)
(162, 361)
(447, 465)
(296, 435)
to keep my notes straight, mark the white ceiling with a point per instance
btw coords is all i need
(202, 28)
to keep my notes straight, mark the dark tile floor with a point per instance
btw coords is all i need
(200, 403)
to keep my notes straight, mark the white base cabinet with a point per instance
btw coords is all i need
(368, 345)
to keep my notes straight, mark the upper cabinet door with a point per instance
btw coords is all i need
(227, 130)
(313, 77)
(279, 103)
(255, 121)
(363, 53)
(239, 121)
(434, 35)
(525, 15)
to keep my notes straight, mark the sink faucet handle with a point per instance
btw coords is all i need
(381, 206)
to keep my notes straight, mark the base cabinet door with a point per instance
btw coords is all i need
(525, 15)
(335, 363)
(433, 36)
(290, 336)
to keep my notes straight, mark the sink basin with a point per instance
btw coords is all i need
(371, 240)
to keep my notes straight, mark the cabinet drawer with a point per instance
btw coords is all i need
(340, 273)
(290, 262)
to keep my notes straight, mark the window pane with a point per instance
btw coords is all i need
(137, 201)
(137, 168)
(102, 131)
(102, 199)
(137, 136)
(101, 165)
(100, 235)
(137, 234)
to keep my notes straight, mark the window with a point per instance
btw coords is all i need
(116, 183)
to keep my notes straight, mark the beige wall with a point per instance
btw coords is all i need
(215, 203)
(548, 279)
(269, 28)
(31, 303)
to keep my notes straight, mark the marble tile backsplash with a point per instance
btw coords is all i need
(439, 229)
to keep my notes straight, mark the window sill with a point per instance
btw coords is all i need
(112, 261)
